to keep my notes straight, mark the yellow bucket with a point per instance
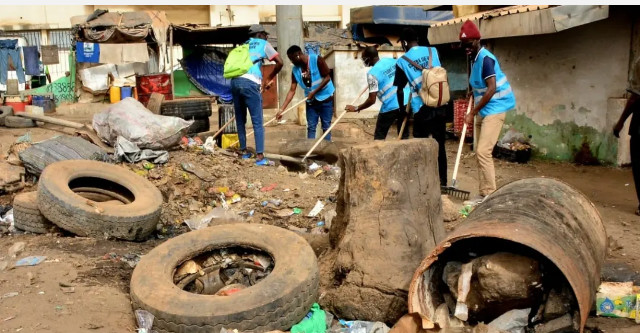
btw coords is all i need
(228, 139)
(114, 94)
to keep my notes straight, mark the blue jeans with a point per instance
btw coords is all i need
(322, 110)
(16, 61)
(246, 94)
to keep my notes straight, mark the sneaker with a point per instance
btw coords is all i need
(246, 156)
(262, 162)
(475, 200)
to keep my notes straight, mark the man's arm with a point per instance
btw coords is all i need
(628, 110)
(371, 99)
(400, 81)
(325, 73)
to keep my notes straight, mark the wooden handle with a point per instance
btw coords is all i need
(331, 127)
(274, 118)
(406, 118)
(224, 126)
(464, 132)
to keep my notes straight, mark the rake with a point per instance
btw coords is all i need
(452, 190)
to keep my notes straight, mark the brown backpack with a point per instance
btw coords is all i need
(434, 91)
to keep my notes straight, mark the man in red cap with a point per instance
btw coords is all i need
(492, 97)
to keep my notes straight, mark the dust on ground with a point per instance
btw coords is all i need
(99, 276)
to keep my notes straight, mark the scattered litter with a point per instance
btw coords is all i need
(314, 166)
(148, 165)
(317, 173)
(209, 145)
(268, 188)
(252, 212)
(316, 209)
(231, 289)
(196, 170)
(129, 152)
(466, 210)
(145, 321)
(11, 294)
(284, 212)
(30, 261)
(618, 300)
(200, 221)
(24, 138)
(41, 293)
(131, 259)
(313, 322)
(8, 318)
(297, 211)
(320, 224)
(68, 290)
(359, 326)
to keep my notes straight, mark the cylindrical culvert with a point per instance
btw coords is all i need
(540, 215)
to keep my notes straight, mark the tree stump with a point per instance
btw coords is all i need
(389, 218)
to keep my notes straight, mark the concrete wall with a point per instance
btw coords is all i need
(34, 17)
(175, 14)
(350, 78)
(563, 83)
(314, 13)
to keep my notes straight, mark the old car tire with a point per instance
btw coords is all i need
(18, 122)
(326, 151)
(72, 212)
(187, 108)
(27, 216)
(199, 125)
(278, 302)
(5, 111)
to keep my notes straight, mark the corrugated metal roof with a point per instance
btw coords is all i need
(493, 13)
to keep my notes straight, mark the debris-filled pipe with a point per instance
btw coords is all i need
(532, 217)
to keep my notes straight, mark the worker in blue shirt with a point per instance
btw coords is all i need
(380, 80)
(427, 121)
(246, 91)
(492, 97)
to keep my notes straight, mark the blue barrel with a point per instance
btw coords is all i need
(45, 102)
(126, 92)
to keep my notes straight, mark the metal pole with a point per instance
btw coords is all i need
(173, 89)
(289, 29)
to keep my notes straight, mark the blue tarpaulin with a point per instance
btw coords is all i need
(204, 68)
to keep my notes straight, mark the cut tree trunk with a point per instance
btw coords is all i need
(389, 217)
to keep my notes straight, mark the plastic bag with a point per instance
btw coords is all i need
(513, 321)
(209, 145)
(131, 120)
(145, 321)
(197, 222)
(314, 322)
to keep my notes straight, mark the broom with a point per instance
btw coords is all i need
(452, 190)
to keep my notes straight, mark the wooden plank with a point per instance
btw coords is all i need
(52, 120)
(155, 101)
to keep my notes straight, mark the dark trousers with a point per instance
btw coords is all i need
(431, 122)
(384, 122)
(635, 162)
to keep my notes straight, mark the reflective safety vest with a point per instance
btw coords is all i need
(420, 55)
(503, 100)
(385, 71)
(316, 79)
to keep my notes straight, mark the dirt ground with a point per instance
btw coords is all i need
(99, 301)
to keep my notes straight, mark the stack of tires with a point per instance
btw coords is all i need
(90, 198)
(196, 109)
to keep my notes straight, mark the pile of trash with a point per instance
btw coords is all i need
(514, 140)
(505, 292)
(223, 272)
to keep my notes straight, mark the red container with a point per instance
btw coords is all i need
(17, 106)
(159, 83)
(459, 111)
(148, 84)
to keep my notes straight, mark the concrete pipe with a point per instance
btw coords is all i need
(544, 216)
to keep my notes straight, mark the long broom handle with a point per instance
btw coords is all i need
(464, 132)
(331, 127)
(224, 126)
(274, 118)
(406, 117)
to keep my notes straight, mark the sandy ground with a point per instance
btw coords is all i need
(100, 302)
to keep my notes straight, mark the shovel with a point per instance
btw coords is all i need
(452, 190)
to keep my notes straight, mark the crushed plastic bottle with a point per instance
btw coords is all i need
(145, 321)
(359, 326)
